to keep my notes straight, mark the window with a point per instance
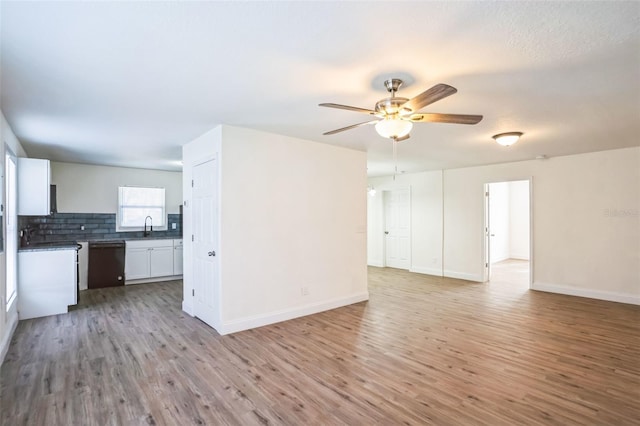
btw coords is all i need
(135, 203)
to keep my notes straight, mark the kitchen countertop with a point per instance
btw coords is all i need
(49, 246)
(105, 240)
(72, 245)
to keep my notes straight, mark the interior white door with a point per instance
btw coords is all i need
(397, 205)
(205, 226)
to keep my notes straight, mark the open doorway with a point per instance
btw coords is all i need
(508, 233)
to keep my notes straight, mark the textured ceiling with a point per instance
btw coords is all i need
(128, 83)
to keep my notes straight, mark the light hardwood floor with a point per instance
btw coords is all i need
(423, 350)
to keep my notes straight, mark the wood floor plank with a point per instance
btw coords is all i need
(422, 350)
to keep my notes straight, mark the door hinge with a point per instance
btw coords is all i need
(486, 265)
(486, 194)
(192, 238)
(193, 292)
(192, 183)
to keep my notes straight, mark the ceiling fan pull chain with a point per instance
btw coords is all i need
(394, 141)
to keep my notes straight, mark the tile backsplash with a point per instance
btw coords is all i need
(97, 226)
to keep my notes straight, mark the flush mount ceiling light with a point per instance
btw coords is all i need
(507, 139)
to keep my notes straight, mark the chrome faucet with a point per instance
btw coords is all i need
(147, 233)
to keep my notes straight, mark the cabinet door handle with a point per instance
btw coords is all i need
(212, 253)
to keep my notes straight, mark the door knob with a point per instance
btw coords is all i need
(212, 253)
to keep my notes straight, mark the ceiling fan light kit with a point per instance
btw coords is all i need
(508, 138)
(396, 115)
(393, 127)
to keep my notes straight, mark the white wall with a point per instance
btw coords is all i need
(519, 220)
(86, 188)
(585, 219)
(586, 230)
(8, 320)
(293, 215)
(426, 220)
(375, 229)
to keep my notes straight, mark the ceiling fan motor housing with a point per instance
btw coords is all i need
(392, 106)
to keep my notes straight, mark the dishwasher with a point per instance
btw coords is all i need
(106, 264)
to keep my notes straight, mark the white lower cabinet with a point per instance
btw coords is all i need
(177, 257)
(136, 263)
(150, 260)
(161, 261)
(46, 282)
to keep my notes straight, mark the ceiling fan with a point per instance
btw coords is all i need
(395, 115)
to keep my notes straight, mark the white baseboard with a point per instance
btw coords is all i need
(153, 280)
(610, 296)
(6, 340)
(427, 271)
(378, 263)
(287, 314)
(499, 259)
(519, 256)
(464, 276)
(187, 307)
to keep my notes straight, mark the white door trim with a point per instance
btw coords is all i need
(486, 246)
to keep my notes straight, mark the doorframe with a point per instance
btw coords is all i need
(486, 244)
(384, 223)
(11, 256)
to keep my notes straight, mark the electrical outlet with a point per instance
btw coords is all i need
(82, 227)
(304, 291)
(174, 226)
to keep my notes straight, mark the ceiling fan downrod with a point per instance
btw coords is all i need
(392, 85)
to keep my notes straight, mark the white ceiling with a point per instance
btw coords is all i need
(128, 83)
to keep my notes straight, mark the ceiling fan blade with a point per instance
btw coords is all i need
(349, 108)
(404, 138)
(437, 92)
(445, 118)
(333, 132)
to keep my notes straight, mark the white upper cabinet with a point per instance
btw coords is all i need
(34, 179)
